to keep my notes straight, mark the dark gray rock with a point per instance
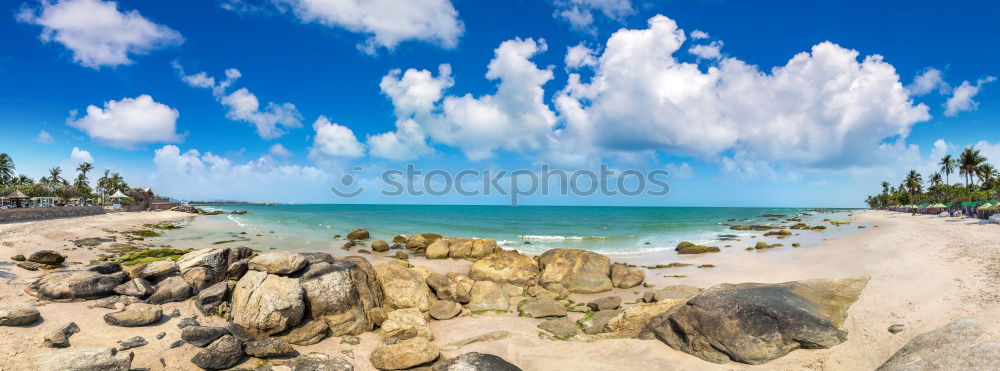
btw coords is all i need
(171, 289)
(754, 323)
(541, 308)
(134, 342)
(76, 284)
(137, 287)
(47, 257)
(83, 359)
(605, 303)
(474, 361)
(222, 354)
(201, 336)
(187, 322)
(209, 298)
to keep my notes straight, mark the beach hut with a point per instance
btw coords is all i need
(16, 198)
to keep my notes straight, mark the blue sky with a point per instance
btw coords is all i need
(748, 103)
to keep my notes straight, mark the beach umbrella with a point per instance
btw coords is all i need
(17, 194)
(985, 206)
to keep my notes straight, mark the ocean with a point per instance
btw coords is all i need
(532, 229)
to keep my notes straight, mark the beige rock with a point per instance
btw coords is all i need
(624, 277)
(278, 262)
(505, 267)
(580, 271)
(402, 324)
(404, 354)
(488, 296)
(403, 287)
(266, 304)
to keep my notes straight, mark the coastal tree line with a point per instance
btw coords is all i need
(56, 184)
(980, 182)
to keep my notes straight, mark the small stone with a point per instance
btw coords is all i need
(605, 303)
(134, 342)
(270, 347)
(190, 321)
(562, 328)
(18, 314)
(401, 255)
(59, 338)
(134, 315)
(175, 313)
(18, 258)
(405, 354)
(176, 344)
(895, 329)
(47, 257)
(160, 335)
(201, 336)
(445, 309)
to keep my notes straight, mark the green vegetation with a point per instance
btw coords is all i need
(145, 233)
(151, 255)
(55, 185)
(970, 164)
(166, 226)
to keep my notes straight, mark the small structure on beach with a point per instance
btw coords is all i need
(16, 197)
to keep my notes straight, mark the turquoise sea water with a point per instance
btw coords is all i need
(602, 229)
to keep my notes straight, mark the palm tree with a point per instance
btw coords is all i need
(968, 164)
(81, 183)
(986, 174)
(947, 166)
(85, 168)
(935, 179)
(6, 169)
(54, 175)
(912, 181)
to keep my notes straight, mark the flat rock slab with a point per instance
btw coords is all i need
(134, 315)
(967, 343)
(18, 314)
(754, 323)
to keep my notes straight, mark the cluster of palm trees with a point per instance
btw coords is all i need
(970, 164)
(55, 185)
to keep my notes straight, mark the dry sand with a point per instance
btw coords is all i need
(925, 271)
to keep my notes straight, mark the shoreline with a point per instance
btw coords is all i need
(924, 272)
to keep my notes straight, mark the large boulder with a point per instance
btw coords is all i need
(754, 323)
(452, 286)
(47, 257)
(488, 296)
(77, 284)
(380, 246)
(505, 267)
(402, 324)
(625, 277)
(404, 354)
(266, 304)
(967, 343)
(171, 289)
(403, 287)
(278, 262)
(205, 267)
(461, 248)
(475, 362)
(580, 271)
(18, 314)
(134, 315)
(222, 354)
(341, 293)
(84, 359)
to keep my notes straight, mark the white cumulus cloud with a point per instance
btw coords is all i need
(333, 140)
(962, 100)
(928, 81)
(128, 122)
(271, 122)
(80, 156)
(514, 118)
(97, 32)
(386, 22)
(580, 56)
(712, 50)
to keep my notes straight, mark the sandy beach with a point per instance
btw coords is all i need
(924, 271)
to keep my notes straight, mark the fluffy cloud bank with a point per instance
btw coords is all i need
(96, 32)
(128, 122)
(386, 22)
(823, 106)
(514, 118)
(271, 122)
(204, 176)
(333, 141)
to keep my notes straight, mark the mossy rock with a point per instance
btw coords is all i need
(697, 249)
(145, 233)
(706, 266)
(683, 245)
(151, 255)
